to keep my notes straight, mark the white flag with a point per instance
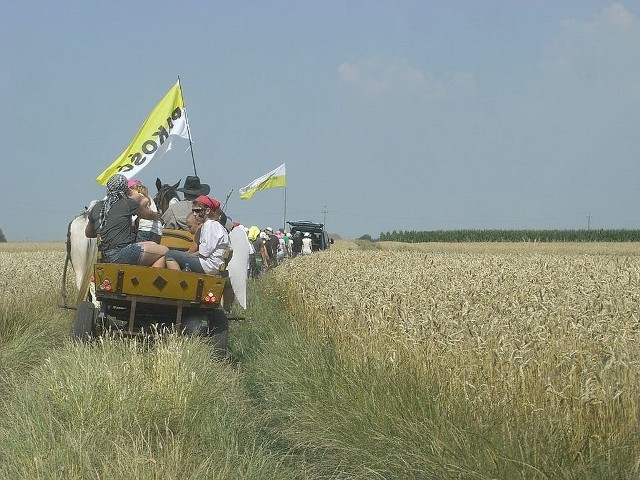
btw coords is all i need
(273, 179)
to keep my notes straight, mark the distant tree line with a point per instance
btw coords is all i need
(2, 238)
(414, 236)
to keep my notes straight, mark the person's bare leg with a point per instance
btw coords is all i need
(160, 263)
(173, 265)
(153, 254)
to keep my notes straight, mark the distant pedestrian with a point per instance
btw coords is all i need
(296, 245)
(306, 244)
(280, 253)
(272, 246)
(261, 246)
(287, 244)
(258, 259)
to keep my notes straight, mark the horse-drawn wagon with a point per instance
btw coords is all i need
(138, 300)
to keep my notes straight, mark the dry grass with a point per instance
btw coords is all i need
(31, 246)
(33, 275)
(585, 248)
(537, 342)
(112, 409)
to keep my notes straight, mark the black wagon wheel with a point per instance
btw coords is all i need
(212, 326)
(218, 332)
(83, 325)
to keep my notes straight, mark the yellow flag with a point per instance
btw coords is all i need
(273, 179)
(168, 119)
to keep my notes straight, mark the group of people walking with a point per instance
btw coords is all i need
(269, 248)
(129, 227)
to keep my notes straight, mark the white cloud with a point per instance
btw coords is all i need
(600, 55)
(616, 15)
(378, 75)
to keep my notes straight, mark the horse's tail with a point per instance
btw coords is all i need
(67, 259)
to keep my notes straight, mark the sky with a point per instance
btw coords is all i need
(389, 115)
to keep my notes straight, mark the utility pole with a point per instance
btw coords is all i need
(589, 221)
(324, 216)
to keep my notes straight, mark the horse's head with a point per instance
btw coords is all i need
(165, 194)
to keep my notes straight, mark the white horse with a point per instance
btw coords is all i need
(81, 253)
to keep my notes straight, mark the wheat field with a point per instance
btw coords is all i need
(545, 336)
(532, 347)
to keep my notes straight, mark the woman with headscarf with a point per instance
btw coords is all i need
(213, 244)
(111, 221)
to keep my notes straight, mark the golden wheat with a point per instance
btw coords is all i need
(532, 332)
(33, 275)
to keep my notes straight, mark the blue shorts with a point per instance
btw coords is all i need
(147, 236)
(182, 258)
(130, 254)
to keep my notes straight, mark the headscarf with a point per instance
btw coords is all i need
(212, 203)
(253, 233)
(116, 189)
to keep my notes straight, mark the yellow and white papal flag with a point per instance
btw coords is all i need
(273, 179)
(168, 119)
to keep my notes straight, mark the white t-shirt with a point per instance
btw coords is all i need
(306, 246)
(214, 241)
(153, 226)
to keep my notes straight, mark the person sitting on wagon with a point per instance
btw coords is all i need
(214, 241)
(176, 215)
(147, 229)
(112, 221)
(194, 223)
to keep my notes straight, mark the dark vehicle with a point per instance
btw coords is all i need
(319, 237)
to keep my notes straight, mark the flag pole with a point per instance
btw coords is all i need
(227, 199)
(193, 158)
(284, 215)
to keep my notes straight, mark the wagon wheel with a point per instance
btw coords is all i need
(83, 325)
(218, 332)
(213, 326)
